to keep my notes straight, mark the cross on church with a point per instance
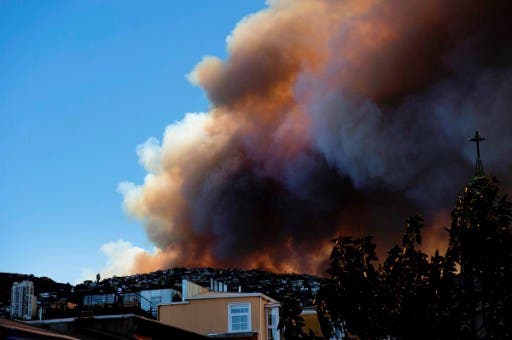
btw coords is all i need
(479, 168)
(477, 139)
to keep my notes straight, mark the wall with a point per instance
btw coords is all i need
(189, 289)
(152, 298)
(210, 315)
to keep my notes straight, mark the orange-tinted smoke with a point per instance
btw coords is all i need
(435, 235)
(325, 113)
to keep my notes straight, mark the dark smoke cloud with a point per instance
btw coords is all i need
(329, 117)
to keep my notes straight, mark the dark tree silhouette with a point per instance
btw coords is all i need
(406, 285)
(443, 311)
(466, 294)
(290, 322)
(419, 290)
(481, 245)
(351, 300)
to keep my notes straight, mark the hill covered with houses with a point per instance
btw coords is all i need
(299, 288)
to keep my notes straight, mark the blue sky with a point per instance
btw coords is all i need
(81, 85)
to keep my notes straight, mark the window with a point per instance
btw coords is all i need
(272, 314)
(239, 317)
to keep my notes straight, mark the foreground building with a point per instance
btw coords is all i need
(10, 329)
(118, 326)
(223, 314)
(23, 301)
(132, 302)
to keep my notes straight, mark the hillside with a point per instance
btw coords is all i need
(298, 287)
(41, 284)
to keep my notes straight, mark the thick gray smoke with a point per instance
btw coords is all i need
(328, 117)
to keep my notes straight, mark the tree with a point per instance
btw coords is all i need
(466, 294)
(418, 289)
(350, 300)
(290, 322)
(481, 245)
(98, 278)
(443, 310)
(406, 285)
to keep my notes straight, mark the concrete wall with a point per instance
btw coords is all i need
(152, 298)
(189, 289)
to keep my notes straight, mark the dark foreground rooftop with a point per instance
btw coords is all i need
(10, 329)
(122, 326)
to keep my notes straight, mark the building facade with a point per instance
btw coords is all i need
(23, 301)
(218, 314)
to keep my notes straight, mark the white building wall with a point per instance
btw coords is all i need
(23, 301)
(152, 298)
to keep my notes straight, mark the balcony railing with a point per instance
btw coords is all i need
(132, 302)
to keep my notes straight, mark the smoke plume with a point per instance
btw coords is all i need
(328, 117)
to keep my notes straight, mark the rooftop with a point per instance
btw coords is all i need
(19, 330)
(224, 295)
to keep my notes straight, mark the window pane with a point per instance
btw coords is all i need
(239, 317)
